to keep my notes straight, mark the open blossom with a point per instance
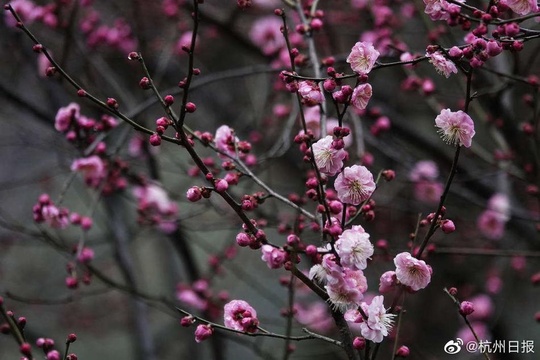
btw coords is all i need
(239, 315)
(522, 7)
(328, 159)
(327, 271)
(354, 185)
(361, 95)
(273, 257)
(310, 93)
(456, 128)
(411, 271)
(354, 248)
(153, 195)
(443, 65)
(92, 168)
(347, 290)
(225, 139)
(155, 206)
(379, 322)
(440, 9)
(362, 57)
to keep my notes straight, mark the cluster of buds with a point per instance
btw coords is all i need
(73, 279)
(46, 212)
(447, 226)
(161, 125)
(80, 129)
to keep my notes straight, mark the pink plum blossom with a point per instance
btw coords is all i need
(154, 195)
(387, 281)
(456, 128)
(424, 170)
(273, 257)
(483, 307)
(54, 217)
(522, 7)
(411, 271)
(184, 42)
(192, 298)
(266, 33)
(361, 95)
(354, 248)
(362, 57)
(443, 65)
(440, 9)
(492, 221)
(327, 270)
(428, 192)
(379, 322)
(86, 255)
(239, 315)
(347, 290)
(328, 159)
(65, 116)
(92, 168)
(315, 316)
(154, 204)
(27, 10)
(500, 204)
(354, 185)
(203, 332)
(43, 63)
(224, 140)
(491, 224)
(310, 93)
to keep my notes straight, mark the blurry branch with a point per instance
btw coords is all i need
(60, 301)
